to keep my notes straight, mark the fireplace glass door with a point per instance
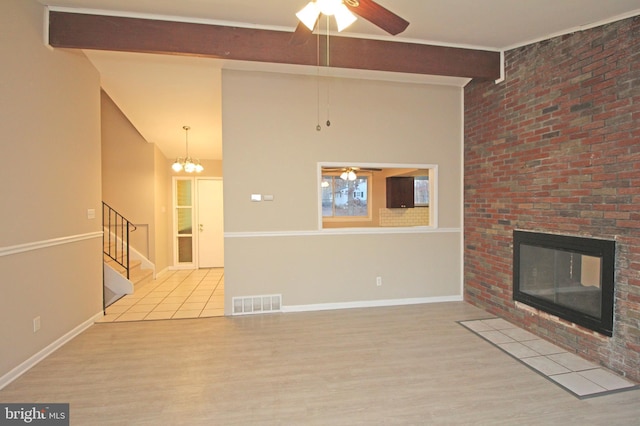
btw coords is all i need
(564, 278)
(570, 277)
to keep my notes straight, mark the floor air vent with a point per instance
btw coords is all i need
(257, 304)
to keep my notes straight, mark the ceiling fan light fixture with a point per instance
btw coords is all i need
(311, 12)
(309, 15)
(344, 17)
(348, 174)
(328, 7)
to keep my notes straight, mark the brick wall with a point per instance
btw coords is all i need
(556, 148)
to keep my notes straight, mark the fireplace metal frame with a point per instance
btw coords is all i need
(603, 249)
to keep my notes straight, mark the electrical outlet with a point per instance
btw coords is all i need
(378, 281)
(36, 324)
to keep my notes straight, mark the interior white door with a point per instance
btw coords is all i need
(210, 224)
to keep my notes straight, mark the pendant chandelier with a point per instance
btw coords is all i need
(311, 12)
(187, 163)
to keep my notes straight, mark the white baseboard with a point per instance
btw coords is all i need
(370, 304)
(161, 273)
(39, 356)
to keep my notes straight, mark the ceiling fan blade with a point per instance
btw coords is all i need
(301, 35)
(355, 169)
(378, 15)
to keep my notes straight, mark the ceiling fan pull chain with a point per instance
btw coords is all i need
(318, 127)
(328, 103)
(328, 63)
(328, 82)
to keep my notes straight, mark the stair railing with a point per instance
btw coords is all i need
(116, 236)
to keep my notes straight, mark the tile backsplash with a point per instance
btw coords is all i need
(417, 216)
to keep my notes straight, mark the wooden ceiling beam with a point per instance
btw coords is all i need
(102, 32)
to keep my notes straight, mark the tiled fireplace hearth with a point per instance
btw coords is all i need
(582, 378)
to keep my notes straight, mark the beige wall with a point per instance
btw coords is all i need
(50, 177)
(309, 270)
(128, 175)
(162, 210)
(271, 146)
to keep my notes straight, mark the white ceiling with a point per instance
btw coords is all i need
(160, 94)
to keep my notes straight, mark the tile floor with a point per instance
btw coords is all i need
(578, 376)
(175, 294)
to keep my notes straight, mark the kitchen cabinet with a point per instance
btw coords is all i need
(400, 192)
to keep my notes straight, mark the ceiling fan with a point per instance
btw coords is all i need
(349, 173)
(344, 11)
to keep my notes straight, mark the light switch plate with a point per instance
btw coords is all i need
(256, 197)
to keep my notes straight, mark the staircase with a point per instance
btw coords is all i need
(116, 283)
(124, 268)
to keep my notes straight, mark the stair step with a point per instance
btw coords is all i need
(115, 265)
(140, 276)
(137, 275)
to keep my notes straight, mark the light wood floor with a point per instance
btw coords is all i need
(394, 365)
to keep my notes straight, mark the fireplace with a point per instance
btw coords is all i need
(569, 277)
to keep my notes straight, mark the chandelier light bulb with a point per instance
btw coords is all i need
(177, 167)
